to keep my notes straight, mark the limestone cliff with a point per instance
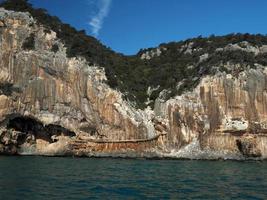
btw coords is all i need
(225, 114)
(54, 105)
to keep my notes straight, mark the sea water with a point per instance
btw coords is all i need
(90, 178)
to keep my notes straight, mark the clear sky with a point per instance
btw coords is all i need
(129, 25)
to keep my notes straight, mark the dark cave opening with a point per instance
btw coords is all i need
(28, 126)
(25, 124)
(57, 130)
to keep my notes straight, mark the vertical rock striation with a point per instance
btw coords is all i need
(54, 90)
(224, 113)
(54, 105)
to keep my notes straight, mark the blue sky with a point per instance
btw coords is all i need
(129, 25)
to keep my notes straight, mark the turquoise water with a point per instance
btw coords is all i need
(88, 178)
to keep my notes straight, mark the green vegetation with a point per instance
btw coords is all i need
(55, 48)
(8, 88)
(29, 43)
(178, 61)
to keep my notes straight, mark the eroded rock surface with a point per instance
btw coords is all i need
(54, 105)
(221, 113)
(56, 91)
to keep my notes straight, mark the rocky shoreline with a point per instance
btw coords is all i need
(54, 105)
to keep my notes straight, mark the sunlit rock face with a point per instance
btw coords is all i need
(224, 113)
(55, 90)
(54, 105)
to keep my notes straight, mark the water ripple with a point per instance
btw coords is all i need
(72, 178)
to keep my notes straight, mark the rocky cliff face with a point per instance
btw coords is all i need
(54, 105)
(225, 114)
(42, 88)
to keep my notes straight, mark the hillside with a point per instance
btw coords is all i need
(175, 66)
(208, 94)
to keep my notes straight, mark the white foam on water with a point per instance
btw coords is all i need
(27, 150)
(194, 151)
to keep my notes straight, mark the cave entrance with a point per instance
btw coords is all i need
(25, 124)
(31, 127)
